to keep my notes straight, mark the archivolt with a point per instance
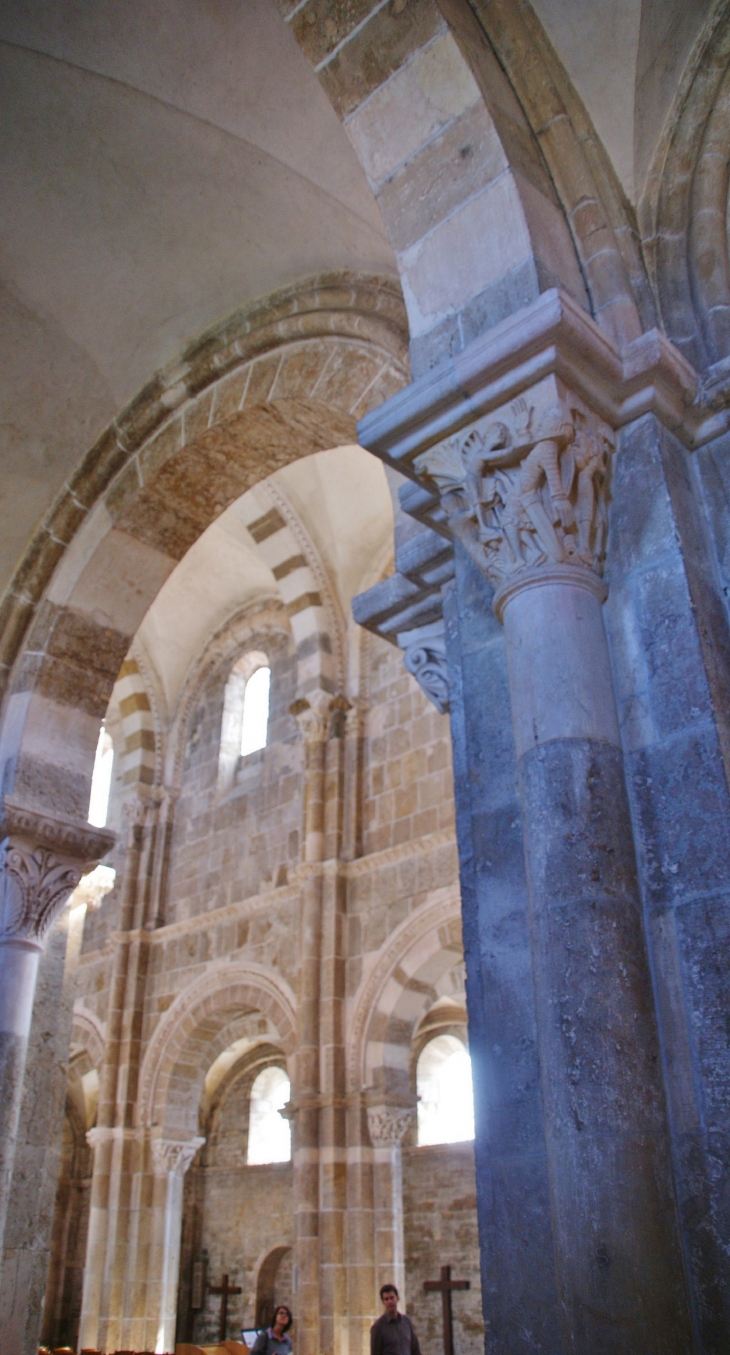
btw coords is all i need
(404, 980)
(684, 207)
(276, 382)
(87, 1033)
(207, 1005)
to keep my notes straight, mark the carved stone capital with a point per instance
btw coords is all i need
(174, 1155)
(424, 655)
(388, 1125)
(527, 487)
(93, 888)
(42, 860)
(313, 716)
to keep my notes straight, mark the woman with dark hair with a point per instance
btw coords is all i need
(274, 1341)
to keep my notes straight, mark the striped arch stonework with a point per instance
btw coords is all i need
(200, 1023)
(413, 969)
(139, 754)
(468, 129)
(287, 377)
(316, 625)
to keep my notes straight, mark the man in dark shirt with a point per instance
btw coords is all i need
(393, 1333)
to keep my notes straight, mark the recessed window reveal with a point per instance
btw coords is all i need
(445, 1093)
(269, 1134)
(101, 779)
(255, 711)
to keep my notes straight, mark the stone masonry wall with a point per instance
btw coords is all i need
(408, 790)
(439, 1206)
(244, 1211)
(225, 846)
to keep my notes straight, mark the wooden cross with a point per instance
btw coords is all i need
(445, 1286)
(224, 1289)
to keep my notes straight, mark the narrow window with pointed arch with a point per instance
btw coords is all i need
(101, 779)
(269, 1133)
(445, 1093)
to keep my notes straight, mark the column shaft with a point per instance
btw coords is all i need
(613, 1207)
(314, 725)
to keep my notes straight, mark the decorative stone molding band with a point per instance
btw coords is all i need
(77, 840)
(552, 337)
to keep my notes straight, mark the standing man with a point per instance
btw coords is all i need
(393, 1333)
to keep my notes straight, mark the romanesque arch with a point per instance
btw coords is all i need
(285, 378)
(475, 100)
(406, 978)
(199, 1025)
(87, 1034)
(684, 208)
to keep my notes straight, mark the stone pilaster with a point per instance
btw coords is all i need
(42, 861)
(111, 1296)
(387, 1126)
(313, 718)
(171, 1159)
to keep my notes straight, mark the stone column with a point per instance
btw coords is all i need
(118, 1151)
(332, 1117)
(387, 1126)
(43, 860)
(171, 1159)
(313, 718)
(525, 490)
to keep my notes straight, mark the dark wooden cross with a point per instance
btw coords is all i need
(224, 1289)
(445, 1286)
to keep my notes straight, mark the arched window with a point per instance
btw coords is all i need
(101, 779)
(445, 1096)
(245, 714)
(269, 1134)
(255, 711)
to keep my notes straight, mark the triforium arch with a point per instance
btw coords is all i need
(284, 378)
(473, 98)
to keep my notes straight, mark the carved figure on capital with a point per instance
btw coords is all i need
(174, 1155)
(528, 488)
(388, 1125)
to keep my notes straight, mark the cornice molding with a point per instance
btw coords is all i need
(77, 841)
(283, 894)
(553, 336)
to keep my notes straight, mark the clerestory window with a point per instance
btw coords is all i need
(101, 779)
(255, 721)
(245, 724)
(445, 1094)
(269, 1133)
